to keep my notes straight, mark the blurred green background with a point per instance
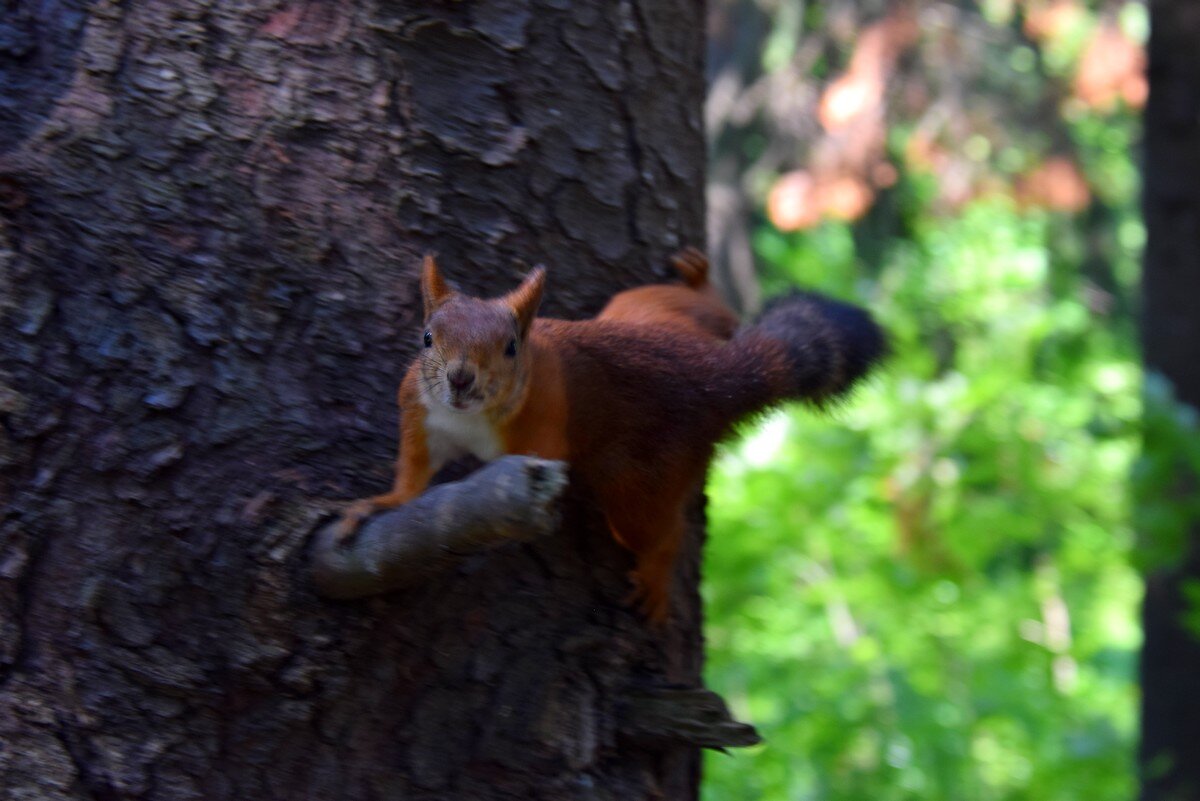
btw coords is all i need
(931, 591)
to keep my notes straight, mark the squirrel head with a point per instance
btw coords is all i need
(473, 353)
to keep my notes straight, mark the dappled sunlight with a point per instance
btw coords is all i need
(1051, 20)
(964, 140)
(848, 163)
(1112, 70)
(1055, 184)
(799, 200)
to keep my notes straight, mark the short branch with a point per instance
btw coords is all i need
(509, 500)
(692, 715)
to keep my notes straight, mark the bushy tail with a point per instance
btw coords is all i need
(804, 346)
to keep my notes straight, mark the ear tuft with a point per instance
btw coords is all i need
(434, 289)
(525, 299)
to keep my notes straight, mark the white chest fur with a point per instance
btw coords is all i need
(450, 435)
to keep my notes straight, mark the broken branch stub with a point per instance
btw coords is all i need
(693, 715)
(512, 499)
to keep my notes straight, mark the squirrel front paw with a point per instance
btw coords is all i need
(352, 518)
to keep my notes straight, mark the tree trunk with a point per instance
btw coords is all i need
(213, 217)
(1170, 747)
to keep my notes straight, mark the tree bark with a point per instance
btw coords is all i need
(1170, 747)
(213, 217)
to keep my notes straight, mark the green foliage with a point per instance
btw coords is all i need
(929, 593)
(1166, 478)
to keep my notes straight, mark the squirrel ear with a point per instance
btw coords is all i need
(525, 299)
(434, 289)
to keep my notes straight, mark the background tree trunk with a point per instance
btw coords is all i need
(1170, 748)
(213, 213)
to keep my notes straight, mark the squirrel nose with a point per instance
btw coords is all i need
(460, 379)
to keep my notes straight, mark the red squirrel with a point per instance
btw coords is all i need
(634, 399)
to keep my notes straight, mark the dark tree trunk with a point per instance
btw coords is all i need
(1170, 669)
(213, 215)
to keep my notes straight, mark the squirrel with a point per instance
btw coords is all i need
(634, 399)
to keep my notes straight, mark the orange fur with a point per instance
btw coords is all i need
(692, 310)
(634, 399)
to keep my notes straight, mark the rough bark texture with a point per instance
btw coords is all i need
(213, 213)
(1170, 748)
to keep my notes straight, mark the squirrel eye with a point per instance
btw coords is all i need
(510, 349)
(428, 339)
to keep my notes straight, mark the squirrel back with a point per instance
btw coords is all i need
(663, 392)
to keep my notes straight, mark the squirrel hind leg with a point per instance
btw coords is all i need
(692, 266)
(654, 539)
(651, 579)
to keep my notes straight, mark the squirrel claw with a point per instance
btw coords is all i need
(352, 518)
(345, 531)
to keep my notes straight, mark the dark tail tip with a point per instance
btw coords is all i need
(863, 342)
(831, 344)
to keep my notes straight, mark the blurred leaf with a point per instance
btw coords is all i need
(929, 593)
